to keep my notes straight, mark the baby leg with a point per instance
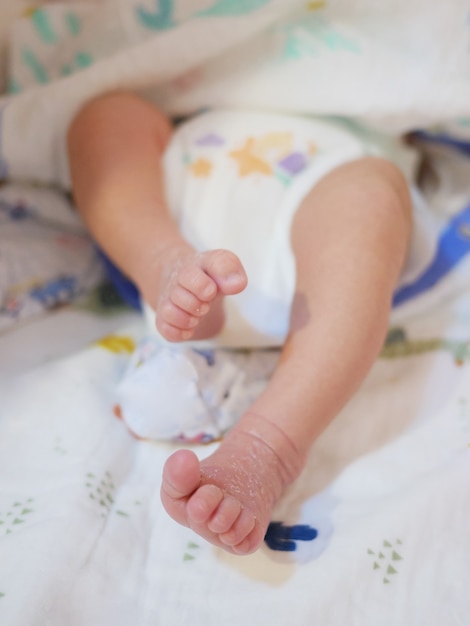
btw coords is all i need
(349, 238)
(115, 147)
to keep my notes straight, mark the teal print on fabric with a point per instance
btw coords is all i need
(101, 491)
(189, 554)
(33, 63)
(159, 19)
(162, 18)
(13, 86)
(43, 27)
(66, 70)
(311, 35)
(83, 60)
(73, 24)
(16, 515)
(385, 560)
(232, 8)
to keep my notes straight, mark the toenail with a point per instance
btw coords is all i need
(209, 291)
(234, 276)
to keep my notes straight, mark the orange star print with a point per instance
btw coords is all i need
(201, 168)
(248, 162)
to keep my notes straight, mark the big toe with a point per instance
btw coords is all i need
(181, 474)
(226, 269)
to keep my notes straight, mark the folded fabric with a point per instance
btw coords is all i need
(185, 394)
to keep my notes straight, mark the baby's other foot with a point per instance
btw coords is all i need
(191, 301)
(229, 497)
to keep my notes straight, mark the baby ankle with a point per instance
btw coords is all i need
(271, 436)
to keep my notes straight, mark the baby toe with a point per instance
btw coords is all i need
(226, 269)
(241, 528)
(226, 514)
(172, 333)
(203, 503)
(248, 545)
(188, 302)
(197, 282)
(173, 315)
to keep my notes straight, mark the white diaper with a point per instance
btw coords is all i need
(235, 179)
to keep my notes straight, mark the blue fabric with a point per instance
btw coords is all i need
(125, 288)
(445, 140)
(453, 245)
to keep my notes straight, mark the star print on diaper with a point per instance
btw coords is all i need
(201, 168)
(248, 162)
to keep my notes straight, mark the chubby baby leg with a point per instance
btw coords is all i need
(350, 238)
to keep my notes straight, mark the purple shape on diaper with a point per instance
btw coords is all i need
(294, 163)
(211, 139)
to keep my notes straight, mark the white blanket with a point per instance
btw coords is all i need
(375, 530)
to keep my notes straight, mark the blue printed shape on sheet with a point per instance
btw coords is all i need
(56, 291)
(310, 535)
(453, 246)
(284, 538)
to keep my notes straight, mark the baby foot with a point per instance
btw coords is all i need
(229, 497)
(194, 284)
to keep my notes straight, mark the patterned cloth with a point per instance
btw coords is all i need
(46, 258)
(384, 64)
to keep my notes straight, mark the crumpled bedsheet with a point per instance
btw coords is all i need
(375, 530)
(385, 65)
